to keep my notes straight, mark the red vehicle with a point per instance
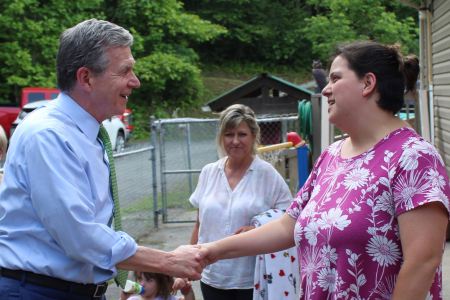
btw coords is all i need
(10, 111)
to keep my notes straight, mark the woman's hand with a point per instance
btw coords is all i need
(243, 229)
(209, 253)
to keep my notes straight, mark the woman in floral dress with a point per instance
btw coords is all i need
(370, 221)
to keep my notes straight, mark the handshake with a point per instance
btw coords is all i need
(189, 261)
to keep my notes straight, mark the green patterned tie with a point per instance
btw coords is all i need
(122, 275)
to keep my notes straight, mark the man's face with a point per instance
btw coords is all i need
(110, 91)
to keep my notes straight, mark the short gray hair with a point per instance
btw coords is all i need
(230, 119)
(84, 45)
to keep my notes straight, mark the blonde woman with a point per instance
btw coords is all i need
(229, 193)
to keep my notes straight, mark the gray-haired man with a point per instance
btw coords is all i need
(56, 205)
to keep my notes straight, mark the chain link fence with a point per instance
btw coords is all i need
(187, 145)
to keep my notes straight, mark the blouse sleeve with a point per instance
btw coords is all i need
(420, 178)
(201, 186)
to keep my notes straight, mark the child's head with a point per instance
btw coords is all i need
(155, 282)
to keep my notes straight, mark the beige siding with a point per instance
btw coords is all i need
(441, 77)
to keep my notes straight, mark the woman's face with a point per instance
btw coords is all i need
(344, 93)
(238, 141)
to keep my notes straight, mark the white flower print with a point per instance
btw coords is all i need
(310, 262)
(294, 211)
(305, 196)
(333, 218)
(435, 178)
(409, 142)
(427, 148)
(315, 191)
(356, 178)
(311, 232)
(429, 296)
(334, 148)
(327, 279)
(299, 200)
(406, 188)
(328, 255)
(298, 230)
(384, 251)
(409, 159)
(309, 209)
(368, 157)
(385, 202)
(386, 290)
(436, 194)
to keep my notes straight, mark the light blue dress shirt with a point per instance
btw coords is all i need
(55, 200)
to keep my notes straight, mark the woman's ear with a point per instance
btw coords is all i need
(370, 81)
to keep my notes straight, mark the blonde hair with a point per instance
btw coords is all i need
(3, 141)
(230, 119)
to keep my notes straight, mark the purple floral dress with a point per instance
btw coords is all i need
(347, 233)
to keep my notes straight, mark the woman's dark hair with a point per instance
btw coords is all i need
(392, 70)
(164, 283)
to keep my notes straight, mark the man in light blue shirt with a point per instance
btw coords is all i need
(55, 198)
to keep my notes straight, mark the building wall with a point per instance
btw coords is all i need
(440, 38)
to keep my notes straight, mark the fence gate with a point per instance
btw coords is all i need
(185, 147)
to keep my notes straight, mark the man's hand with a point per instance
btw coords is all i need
(184, 263)
(243, 229)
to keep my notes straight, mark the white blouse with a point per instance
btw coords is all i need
(223, 211)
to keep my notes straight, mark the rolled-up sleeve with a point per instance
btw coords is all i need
(61, 190)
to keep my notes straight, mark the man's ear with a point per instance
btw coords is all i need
(370, 81)
(84, 78)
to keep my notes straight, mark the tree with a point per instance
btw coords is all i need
(350, 20)
(265, 31)
(163, 33)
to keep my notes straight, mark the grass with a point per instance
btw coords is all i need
(178, 198)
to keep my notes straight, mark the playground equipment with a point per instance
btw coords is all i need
(273, 153)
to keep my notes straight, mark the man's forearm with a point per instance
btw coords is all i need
(179, 263)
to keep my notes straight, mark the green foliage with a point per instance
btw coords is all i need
(258, 31)
(29, 41)
(351, 20)
(163, 33)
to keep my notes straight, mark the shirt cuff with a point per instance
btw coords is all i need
(122, 250)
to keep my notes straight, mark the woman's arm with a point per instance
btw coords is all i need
(272, 237)
(422, 233)
(194, 236)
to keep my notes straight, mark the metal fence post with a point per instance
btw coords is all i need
(284, 131)
(162, 166)
(188, 134)
(155, 185)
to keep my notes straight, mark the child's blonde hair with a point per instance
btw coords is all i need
(164, 282)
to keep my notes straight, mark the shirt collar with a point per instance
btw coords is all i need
(251, 168)
(85, 122)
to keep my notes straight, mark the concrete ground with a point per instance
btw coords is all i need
(170, 236)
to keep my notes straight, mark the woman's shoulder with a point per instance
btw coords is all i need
(214, 166)
(261, 165)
